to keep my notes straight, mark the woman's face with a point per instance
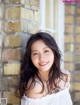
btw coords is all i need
(41, 56)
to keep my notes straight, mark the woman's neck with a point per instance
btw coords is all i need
(44, 75)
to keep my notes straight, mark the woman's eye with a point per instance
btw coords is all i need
(35, 53)
(46, 51)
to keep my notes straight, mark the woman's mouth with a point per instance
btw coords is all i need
(44, 64)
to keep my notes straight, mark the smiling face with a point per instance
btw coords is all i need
(42, 56)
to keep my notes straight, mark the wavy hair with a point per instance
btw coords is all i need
(29, 71)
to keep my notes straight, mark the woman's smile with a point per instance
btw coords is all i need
(43, 64)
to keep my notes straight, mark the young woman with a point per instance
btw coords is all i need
(42, 82)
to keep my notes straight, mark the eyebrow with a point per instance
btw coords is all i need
(37, 50)
(33, 51)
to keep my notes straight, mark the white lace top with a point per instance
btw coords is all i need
(60, 98)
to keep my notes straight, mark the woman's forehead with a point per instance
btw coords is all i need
(39, 44)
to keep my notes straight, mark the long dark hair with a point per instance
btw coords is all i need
(29, 71)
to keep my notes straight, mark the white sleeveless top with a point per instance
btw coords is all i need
(60, 98)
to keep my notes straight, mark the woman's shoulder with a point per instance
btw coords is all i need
(67, 74)
(65, 79)
(35, 91)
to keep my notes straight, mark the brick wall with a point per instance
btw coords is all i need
(72, 47)
(18, 18)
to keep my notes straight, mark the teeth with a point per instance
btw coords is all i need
(43, 64)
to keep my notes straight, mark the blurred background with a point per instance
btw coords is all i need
(20, 18)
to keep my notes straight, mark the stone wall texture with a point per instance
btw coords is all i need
(18, 18)
(72, 47)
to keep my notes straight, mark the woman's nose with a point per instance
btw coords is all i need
(41, 56)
